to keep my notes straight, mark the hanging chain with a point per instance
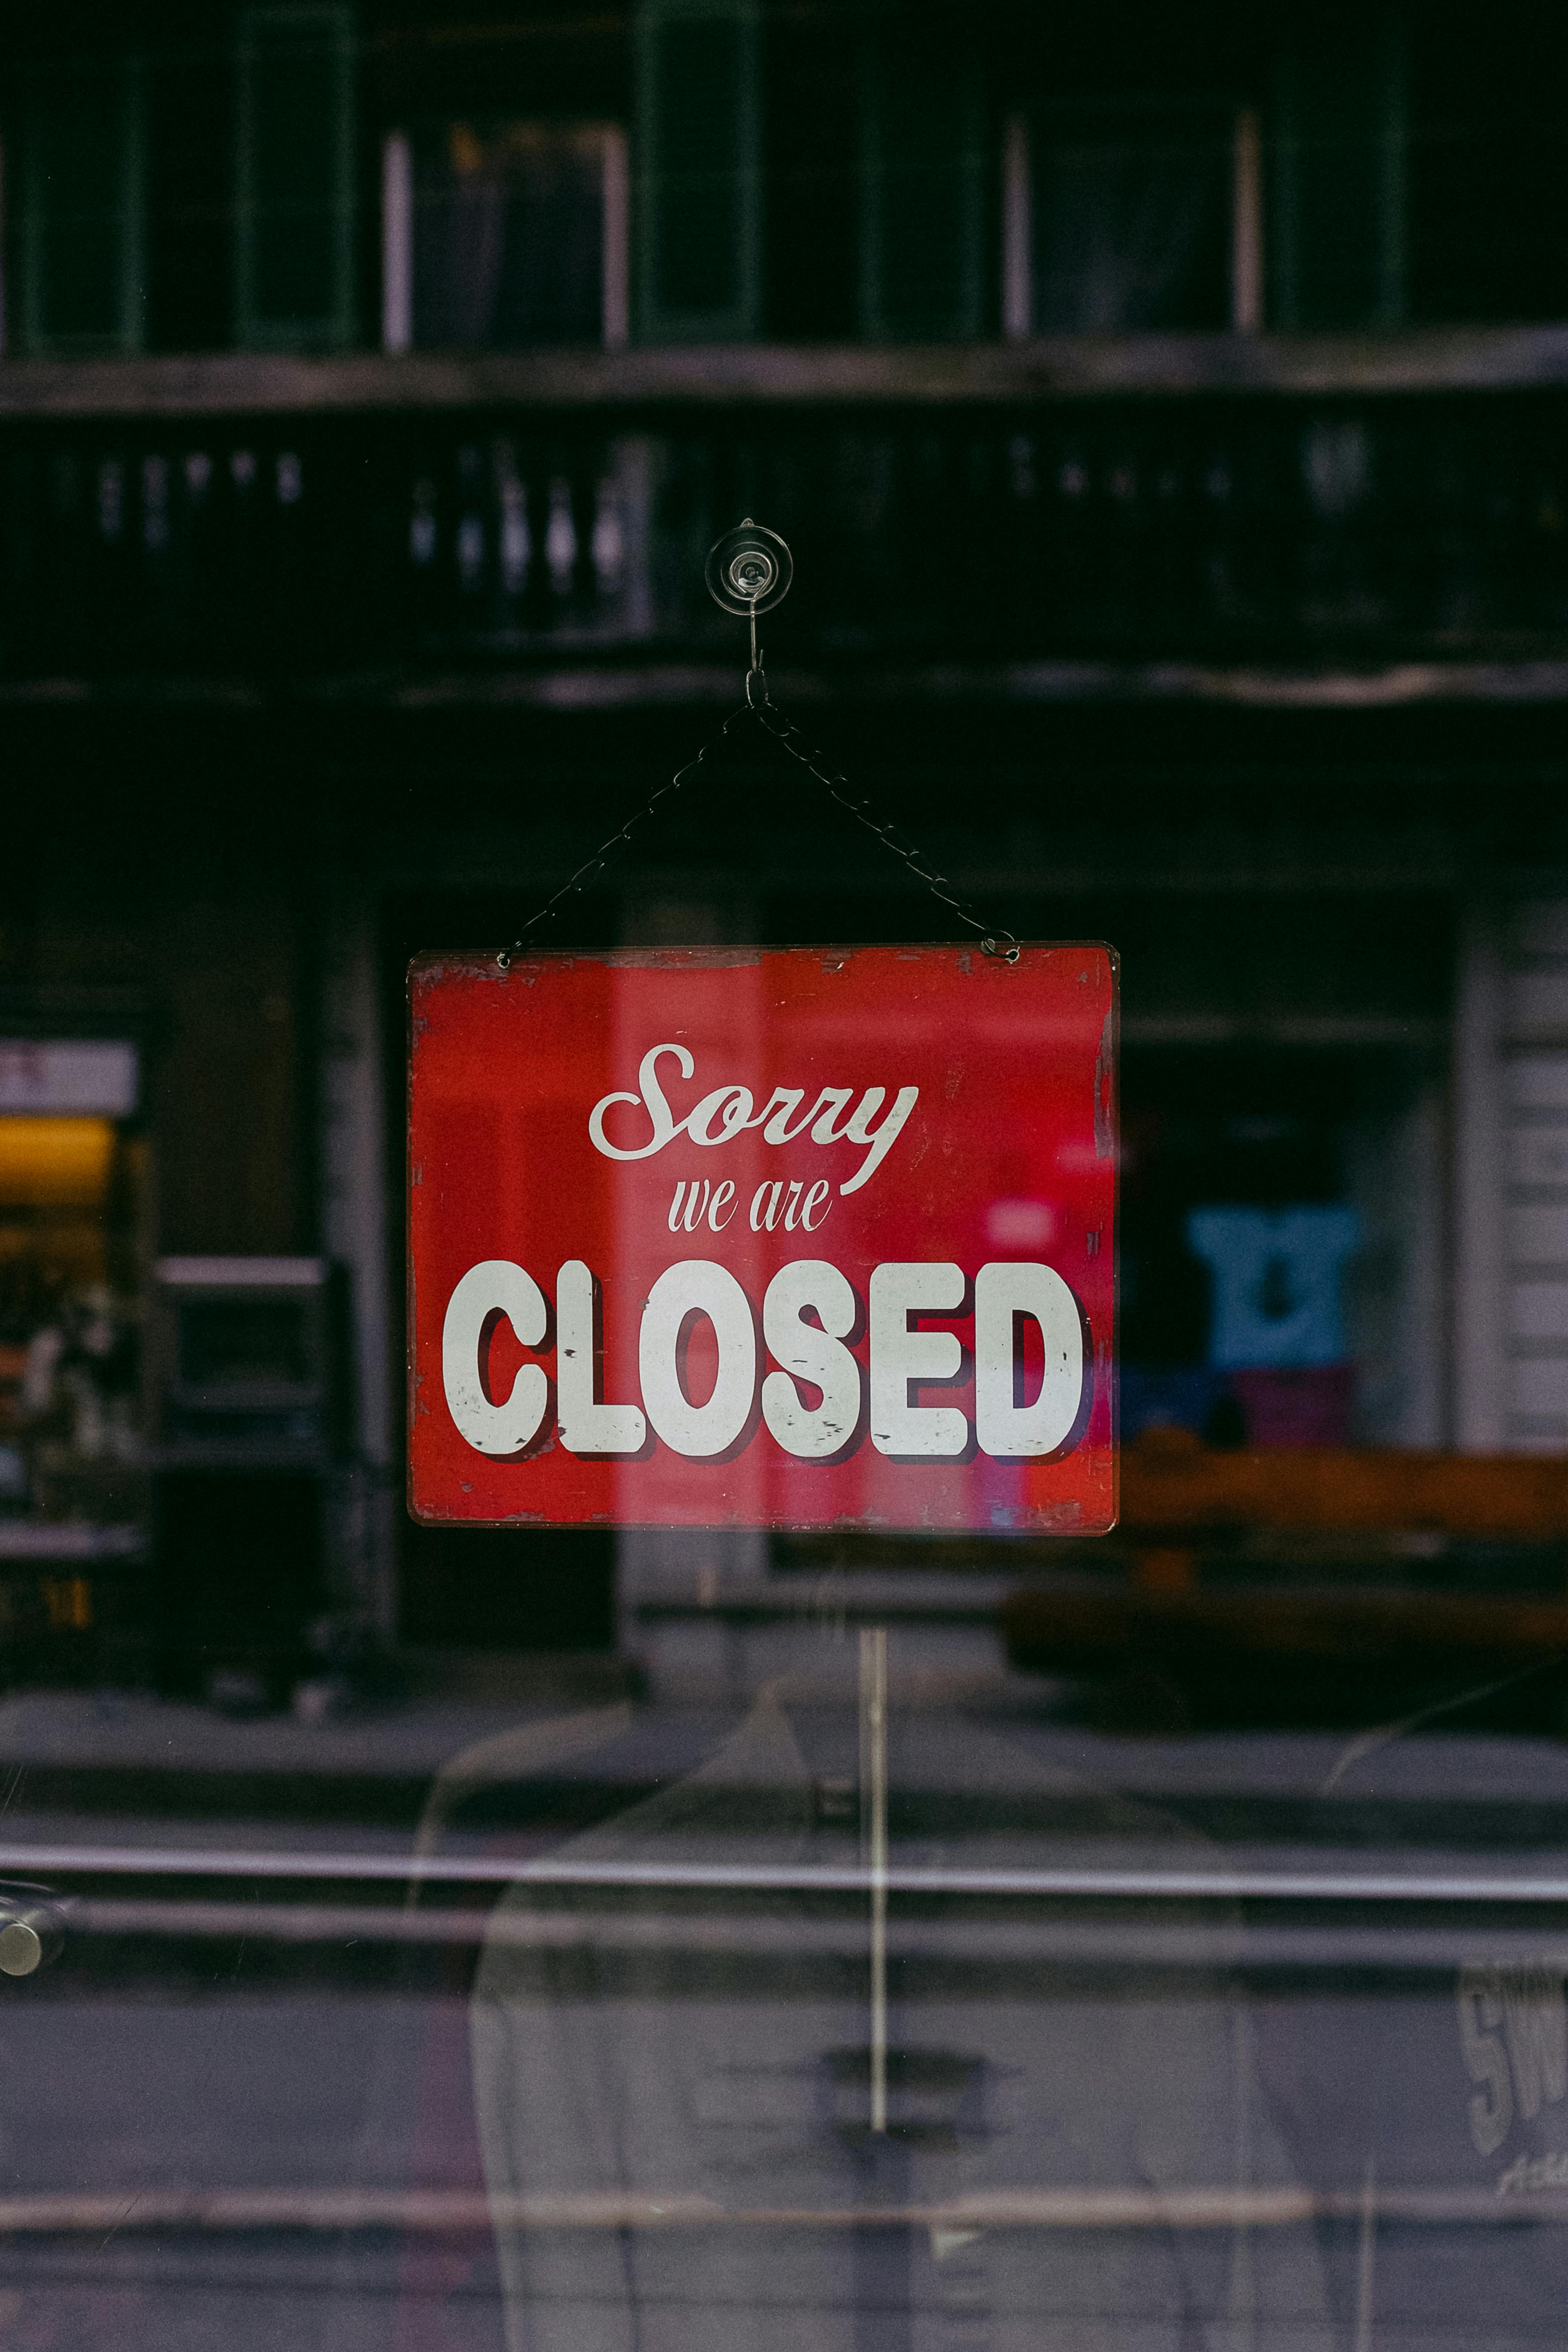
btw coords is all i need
(597, 863)
(790, 738)
(758, 706)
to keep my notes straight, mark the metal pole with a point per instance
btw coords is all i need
(1367, 2257)
(874, 1847)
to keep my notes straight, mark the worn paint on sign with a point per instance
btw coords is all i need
(777, 1239)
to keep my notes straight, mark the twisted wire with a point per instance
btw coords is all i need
(760, 707)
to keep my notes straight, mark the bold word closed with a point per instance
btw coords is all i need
(818, 1401)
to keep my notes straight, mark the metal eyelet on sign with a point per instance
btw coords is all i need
(749, 571)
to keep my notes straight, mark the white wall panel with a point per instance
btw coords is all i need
(1537, 1003)
(1538, 1234)
(1539, 1310)
(1537, 1082)
(1538, 1155)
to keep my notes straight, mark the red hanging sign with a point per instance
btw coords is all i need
(752, 1238)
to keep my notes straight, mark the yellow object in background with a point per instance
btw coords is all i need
(54, 1163)
(67, 1602)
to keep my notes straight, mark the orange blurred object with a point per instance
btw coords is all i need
(54, 1163)
(1170, 1481)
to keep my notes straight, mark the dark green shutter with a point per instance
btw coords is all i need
(924, 195)
(697, 171)
(294, 178)
(83, 214)
(1335, 254)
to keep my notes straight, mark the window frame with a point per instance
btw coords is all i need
(968, 321)
(128, 336)
(741, 322)
(322, 26)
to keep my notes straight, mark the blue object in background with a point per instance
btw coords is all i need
(1184, 1397)
(1277, 1278)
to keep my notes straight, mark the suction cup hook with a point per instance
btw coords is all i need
(749, 572)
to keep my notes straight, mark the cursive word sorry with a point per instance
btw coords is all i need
(729, 1111)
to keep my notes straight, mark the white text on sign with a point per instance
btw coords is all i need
(818, 1402)
(729, 1111)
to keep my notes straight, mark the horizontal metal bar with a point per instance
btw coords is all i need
(557, 1871)
(988, 1943)
(465, 2209)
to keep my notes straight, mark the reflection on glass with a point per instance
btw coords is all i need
(678, 2079)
